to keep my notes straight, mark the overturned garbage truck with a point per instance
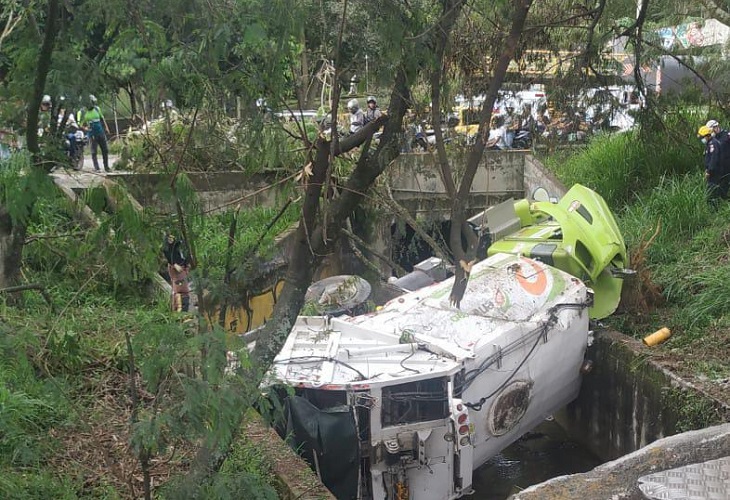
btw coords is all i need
(405, 402)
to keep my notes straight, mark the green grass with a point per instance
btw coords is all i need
(623, 166)
(655, 181)
(63, 371)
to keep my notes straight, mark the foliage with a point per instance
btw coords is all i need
(93, 276)
(660, 184)
(693, 411)
(205, 143)
(622, 166)
(244, 464)
(250, 224)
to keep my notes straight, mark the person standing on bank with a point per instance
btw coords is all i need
(95, 124)
(723, 139)
(178, 267)
(713, 166)
(373, 112)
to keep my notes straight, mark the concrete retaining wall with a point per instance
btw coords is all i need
(416, 182)
(627, 401)
(619, 479)
(536, 175)
(215, 190)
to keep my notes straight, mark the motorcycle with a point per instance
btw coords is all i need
(75, 140)
(522, 140)
(425, 139)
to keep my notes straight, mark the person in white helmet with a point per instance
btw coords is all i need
(357, 117)
(373, 112)
(44, 115)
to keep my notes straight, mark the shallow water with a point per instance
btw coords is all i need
(540, 455)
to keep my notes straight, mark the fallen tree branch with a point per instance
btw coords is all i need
(401, 212)
(356, 239)
(31, 286)
(38, 237)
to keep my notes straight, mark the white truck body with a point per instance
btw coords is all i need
(432, 392)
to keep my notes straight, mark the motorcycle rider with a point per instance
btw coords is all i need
(70, 122)
(497, 139)
(373, 112)
(713, 167)
(67, 123)
(357, 117)
(94, 122)
(44, 116)
(511, 123)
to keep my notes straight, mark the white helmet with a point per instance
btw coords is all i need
(46, 99)
(371, 98)
(712, 124)
(353, 104)
(92, 99)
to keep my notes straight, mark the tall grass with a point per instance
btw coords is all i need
(688, 259)
(653, 180)
(622, 166)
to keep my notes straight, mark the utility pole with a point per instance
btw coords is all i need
(367, 86)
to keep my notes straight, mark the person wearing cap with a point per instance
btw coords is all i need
(95, 124)
(373, 112)
(713, 167)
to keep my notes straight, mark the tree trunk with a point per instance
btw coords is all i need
(12, 239)
(464, 256)
(14, 229)
(44, 65)
(310, 245)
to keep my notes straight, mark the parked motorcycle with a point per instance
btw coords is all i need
(75, 140)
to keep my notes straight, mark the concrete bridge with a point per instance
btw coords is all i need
(413, 180)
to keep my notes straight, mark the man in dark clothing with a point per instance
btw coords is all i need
(713, 166)
(723, 139)
(178, 268)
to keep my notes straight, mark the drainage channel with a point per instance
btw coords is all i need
(546, 452)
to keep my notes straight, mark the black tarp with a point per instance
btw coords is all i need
(331, 436)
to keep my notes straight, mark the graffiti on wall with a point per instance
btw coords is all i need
(694, 34)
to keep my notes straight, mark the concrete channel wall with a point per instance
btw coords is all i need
(627, 401)
(414, 181)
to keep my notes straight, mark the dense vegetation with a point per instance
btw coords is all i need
(103, 392)
(678, 244)
(75, 422)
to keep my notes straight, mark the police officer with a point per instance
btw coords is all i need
(723, 139)
(713, 166)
